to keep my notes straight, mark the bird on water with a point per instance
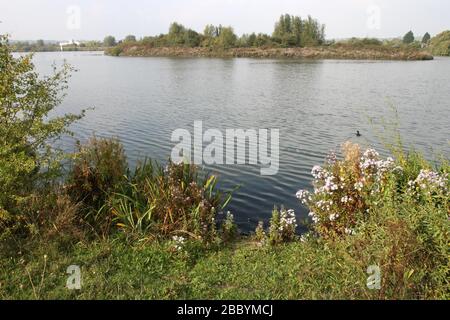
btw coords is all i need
(358, 134)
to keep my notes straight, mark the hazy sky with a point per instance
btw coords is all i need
(93, 19)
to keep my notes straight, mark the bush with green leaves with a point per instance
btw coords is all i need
(27, 131)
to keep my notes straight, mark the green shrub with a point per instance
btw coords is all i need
(115, 51)
(98, 170)
(260, 234)
(27, 133)
(283, 225)
(392, 214)
(229, 229)
(157, 202)
(440, 44)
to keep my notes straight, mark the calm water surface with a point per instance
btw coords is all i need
(317, 105)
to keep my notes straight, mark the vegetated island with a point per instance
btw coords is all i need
(293, 37)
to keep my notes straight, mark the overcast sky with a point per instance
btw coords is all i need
(93, 19)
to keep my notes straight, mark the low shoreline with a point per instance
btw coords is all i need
(333, 52)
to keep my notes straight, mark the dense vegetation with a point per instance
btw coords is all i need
(289, 31)
(440, 44)
(293, 37)
(161, 232)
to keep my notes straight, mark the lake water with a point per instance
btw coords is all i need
(316, 105)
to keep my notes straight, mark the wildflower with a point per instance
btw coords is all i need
(429, 181)
(288, 220)
(332, 158)
(318, 172)
(305, 237)
(304, 196)
(179, 242)
(334, 217)
(314, 217)
(330, 185)
(385, 166)
(346, 199)
(349, 231)
(370, 154)
(359, 186)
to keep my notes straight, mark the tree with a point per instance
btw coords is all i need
(191, 38)
(263, 40)
(109, 41)
(227, 38)
(130, 38)
(27, 132)
(210, 34)
(176, 34)
(40, 43)
(409, 37)
(426, 38)
(297, 29)
(294, 31)
(181, 36)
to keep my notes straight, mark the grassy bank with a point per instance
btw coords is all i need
(408, 243)
(395, 219)
(324, 52)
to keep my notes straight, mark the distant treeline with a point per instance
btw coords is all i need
(48, 46)
(289, 31)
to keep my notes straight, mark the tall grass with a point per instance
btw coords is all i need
(163, 202)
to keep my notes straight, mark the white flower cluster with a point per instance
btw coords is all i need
(304, 196)
(288, 221)
(350, 232)
(319, 173)
(314, 217)
(306, 237)
(359, 186)
(333, 192)
(179, 242)
(332, 158)
(230, 216)
(346, 199)
(429, 181)
(325, 204)
(334, 217)
(371, 164)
